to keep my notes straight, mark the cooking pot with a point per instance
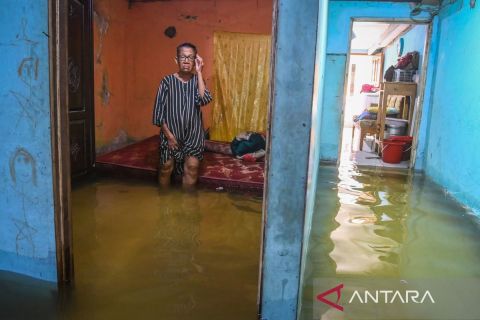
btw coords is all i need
(396, 130)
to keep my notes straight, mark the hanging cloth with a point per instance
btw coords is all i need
(242, 65)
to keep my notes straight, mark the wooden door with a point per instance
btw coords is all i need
(80, 87)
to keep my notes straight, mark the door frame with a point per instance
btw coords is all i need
(61, 154)
(58, 59)
(60, 134)
(60, 139)
(420, 88)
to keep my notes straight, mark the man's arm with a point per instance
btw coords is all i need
(159, 106)
(201, 83)
(202, 95)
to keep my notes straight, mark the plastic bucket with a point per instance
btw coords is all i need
(407, 147)
(392, 151)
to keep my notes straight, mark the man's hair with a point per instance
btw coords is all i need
(186, 45)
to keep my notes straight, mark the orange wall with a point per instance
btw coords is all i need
(137, 54)
(110, 91)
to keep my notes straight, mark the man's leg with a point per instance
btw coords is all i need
(190, 174)
(165, 173)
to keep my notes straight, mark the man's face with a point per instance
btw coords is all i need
(186, 59)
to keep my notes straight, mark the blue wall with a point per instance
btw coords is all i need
(339, 23)
(27, 240)
(454, 131)
(288, 159)
(427, 98)
(314, 156)
(332, 106)
(414, 40)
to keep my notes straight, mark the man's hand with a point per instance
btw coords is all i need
(198, 64)
(172, 142)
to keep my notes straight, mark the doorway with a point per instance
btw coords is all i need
(187, 250)
(383, 94)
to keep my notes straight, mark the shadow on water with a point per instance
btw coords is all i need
(26, 298)
(378, 223)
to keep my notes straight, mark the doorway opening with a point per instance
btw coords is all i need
(187, 250)
(383, 94)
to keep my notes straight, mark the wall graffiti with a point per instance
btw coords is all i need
(29, 107)
(23, 172)
(28, 71)
(27, 225)
(23, 167)
(24, 243)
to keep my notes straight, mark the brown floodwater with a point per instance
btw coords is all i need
(372, 224)
(145, 254)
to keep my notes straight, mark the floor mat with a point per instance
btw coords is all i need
(217, 170)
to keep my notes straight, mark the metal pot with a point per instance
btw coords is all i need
(396, 130)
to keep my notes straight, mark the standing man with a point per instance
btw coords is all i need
(177, 113)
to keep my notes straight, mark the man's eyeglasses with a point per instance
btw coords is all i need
(186, 58)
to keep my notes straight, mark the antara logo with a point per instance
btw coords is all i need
(391, 296)
(338, 290)
(376, 296)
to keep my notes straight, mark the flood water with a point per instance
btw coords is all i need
(383, 224)
(143, 254)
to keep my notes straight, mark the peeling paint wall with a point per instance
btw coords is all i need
(27, 233)
(133, 53)
(454, 131)
(110, 91)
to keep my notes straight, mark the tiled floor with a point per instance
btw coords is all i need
(367, 157)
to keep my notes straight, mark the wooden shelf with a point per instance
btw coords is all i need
(406, 89)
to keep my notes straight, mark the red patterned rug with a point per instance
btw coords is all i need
(217, 169)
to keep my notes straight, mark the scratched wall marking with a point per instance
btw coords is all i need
(23, 172)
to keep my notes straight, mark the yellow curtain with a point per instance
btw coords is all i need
(242, 64)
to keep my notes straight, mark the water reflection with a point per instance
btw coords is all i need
(176, 244)
(370, 212)
(386, 224)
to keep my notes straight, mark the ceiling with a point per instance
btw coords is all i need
(368, 36)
